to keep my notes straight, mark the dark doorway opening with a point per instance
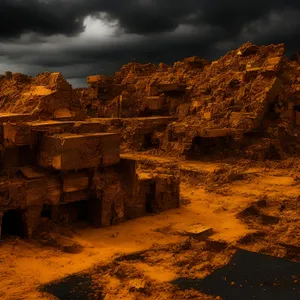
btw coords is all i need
(150, 142)
(77, 211)
(13, 223)
(202, 147)
(47, 212)
(273, 113)
(150, 197)
(83, 211)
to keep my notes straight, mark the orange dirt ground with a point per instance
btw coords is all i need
(27, 265)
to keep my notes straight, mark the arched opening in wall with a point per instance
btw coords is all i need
(13, 223)
(150, 142)
(206, 148)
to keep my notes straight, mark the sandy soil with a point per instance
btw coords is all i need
(25, 265)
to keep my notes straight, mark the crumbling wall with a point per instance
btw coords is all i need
(107, 188)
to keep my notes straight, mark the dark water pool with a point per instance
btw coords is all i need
(72, 287)
(250, 275)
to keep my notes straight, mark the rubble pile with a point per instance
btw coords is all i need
(248, 90)
(59, 164)
(46, 96)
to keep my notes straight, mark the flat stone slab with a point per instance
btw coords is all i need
(199, 231)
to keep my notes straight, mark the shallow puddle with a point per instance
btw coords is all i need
(250, 275)
(77, 286)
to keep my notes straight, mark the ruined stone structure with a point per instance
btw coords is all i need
(55, 163)
(248, 96)
(62, 149)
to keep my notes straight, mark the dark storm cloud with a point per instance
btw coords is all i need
(133, 16)
(207, 28)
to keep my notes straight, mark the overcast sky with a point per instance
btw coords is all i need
(85, 37)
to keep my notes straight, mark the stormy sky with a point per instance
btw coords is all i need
(85, 37)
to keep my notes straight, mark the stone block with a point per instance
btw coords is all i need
(88, 127)
(136, 206)
(79, 151)
(170, 87)
(241, 120)
(75, 196)
(166, 193)
(62, 114)
(199, 231)
(183, 110)
(15, 135)
(31, 172)
(51, 126)
(17, 194)
(155, 102)
(4, 195)
(35, 192)
(77, 181)
(94, 79)
(11, 117)
(32, 219)
(271, 66)
(54, 191)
